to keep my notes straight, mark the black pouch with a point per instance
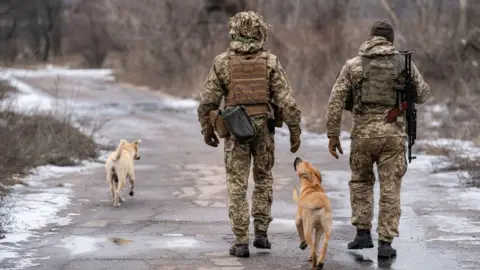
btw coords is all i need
(239, 124)
(271, 123)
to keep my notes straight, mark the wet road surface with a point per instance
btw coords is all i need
(178, 216)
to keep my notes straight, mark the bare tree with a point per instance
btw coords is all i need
(89, 33)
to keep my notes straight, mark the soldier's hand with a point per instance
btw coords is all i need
(294, 143)
(333, 145)
(294, 139)
(209, 137)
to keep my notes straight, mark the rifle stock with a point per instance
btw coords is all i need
(396, 112)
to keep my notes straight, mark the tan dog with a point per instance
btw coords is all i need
(314, 214)
(119, 167)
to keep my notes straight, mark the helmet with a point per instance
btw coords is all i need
(248, 25)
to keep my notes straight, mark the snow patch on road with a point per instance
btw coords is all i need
(33, 208)
(56, 71)
(37, 205)
(180, 104)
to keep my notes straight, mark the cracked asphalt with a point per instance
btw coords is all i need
(178, 216)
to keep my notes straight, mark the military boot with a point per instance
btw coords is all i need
(261, 241)
(385, 250)
(239, 250)
(362, 240)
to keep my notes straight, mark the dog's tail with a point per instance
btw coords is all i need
(312, 205)
(118, 151)
(295, 195)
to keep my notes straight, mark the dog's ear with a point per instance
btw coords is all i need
(137, 142)
(296, 162)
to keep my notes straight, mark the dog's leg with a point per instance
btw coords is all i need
(327, 230)
(308, 228)
(120, 184)
(301, 234)
(111, 184)
(120, 198)
(318, 236)
(314, 246)
(131, 179)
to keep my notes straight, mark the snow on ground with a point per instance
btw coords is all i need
(39, 205)
(52, 71)
(36, 206)
(461, 147)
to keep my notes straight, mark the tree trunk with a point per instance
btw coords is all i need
(46, 52)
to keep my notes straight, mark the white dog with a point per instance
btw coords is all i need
(119, 167)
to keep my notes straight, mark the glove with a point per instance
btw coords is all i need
(209, 136)
(294, 138)
(333, 145)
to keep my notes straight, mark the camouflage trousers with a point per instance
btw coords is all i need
(237, 164)
(389, 155)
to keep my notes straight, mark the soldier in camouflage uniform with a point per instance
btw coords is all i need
(248, 75)
(368, 80)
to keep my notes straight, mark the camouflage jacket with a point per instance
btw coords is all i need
(371, 123)
(218, 78)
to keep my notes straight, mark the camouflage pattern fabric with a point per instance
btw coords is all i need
(389, 154)
(249, 34)
(373, 141)
(238, 158)
(218, 78)
(379, 80)
(370, 123)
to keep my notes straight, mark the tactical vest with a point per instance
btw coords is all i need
(249, 85)
(380, 75)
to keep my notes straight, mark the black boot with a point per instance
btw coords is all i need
(240, 250)
(385, 250)
(363, 239)
(261, 241)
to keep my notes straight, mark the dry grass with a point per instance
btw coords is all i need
(31, 141)
(457, 161)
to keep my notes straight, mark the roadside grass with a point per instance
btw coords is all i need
(457, 160)
(36, 139)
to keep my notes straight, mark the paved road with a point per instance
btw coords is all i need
(178, 216)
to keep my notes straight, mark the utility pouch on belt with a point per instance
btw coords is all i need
(218, 123)
(271, 125)
(239, 124)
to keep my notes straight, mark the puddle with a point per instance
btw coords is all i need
(181, 243)
(177, 241)
(80, 244)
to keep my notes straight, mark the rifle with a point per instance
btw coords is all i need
(405, 96)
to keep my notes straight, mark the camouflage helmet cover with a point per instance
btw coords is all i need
(248, 24)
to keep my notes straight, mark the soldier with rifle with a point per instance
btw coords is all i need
(380, 87)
